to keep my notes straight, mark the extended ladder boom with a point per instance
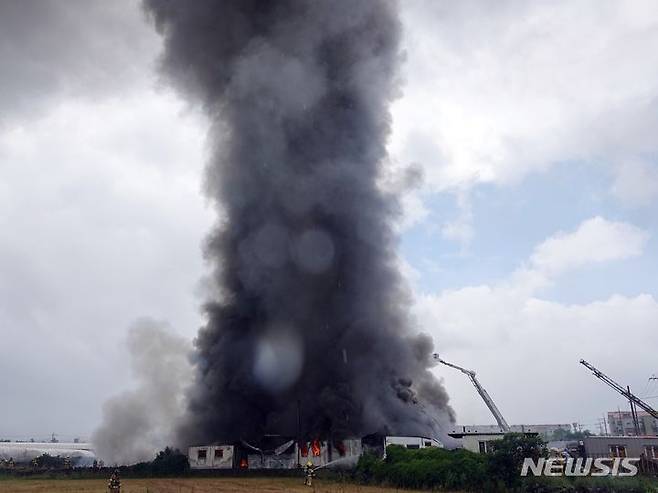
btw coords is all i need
(625, 392)
(483, 393)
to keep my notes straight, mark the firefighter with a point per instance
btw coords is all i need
(310, 473)
(114, 484)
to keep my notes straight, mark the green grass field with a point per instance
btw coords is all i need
(187, 485)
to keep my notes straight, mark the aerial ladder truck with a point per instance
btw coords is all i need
(634, 401)
(483, 393)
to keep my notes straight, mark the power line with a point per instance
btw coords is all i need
(650, 380)
(634, 401)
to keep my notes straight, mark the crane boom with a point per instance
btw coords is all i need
(481, 390)
(623, 391)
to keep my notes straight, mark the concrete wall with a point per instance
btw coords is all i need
(544, 429)
(606, 446)
(216, 457)
(412, 442)
(472, 442)
(283, 461)
(547, 429)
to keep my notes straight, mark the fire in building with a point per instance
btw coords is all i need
(278, 452)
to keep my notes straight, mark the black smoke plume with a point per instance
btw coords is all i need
(311, 330)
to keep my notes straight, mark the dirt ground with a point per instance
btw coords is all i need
(187, 485)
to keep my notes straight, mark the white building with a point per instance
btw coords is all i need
(621, 423)
(541, 429)
(478, 438)
(412, 442)
(211, 457)
(81, 454)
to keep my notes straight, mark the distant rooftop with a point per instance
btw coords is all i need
(494, 429)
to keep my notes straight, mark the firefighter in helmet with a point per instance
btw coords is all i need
(114, 484)
(309, 470)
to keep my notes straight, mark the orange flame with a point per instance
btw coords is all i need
(304, 449)
(316, 448)
(244, 464)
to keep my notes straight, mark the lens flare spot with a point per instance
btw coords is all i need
(278, 360)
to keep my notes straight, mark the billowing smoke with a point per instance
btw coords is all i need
(312, 323)
(137, 423)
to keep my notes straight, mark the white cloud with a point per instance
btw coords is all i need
(495, 92)
(527, 349)
(102, 222)
(596, 240)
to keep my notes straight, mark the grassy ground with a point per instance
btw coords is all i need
(187, 485)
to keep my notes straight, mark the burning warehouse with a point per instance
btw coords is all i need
(276, 452)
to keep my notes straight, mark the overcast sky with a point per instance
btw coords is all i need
(532, 242)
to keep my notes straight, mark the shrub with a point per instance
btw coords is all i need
(47, 461)
(426, 468)
(508, 454)
(450, 470)
(169, 462)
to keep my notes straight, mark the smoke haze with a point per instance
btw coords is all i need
(313, 313)
(137, 423)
